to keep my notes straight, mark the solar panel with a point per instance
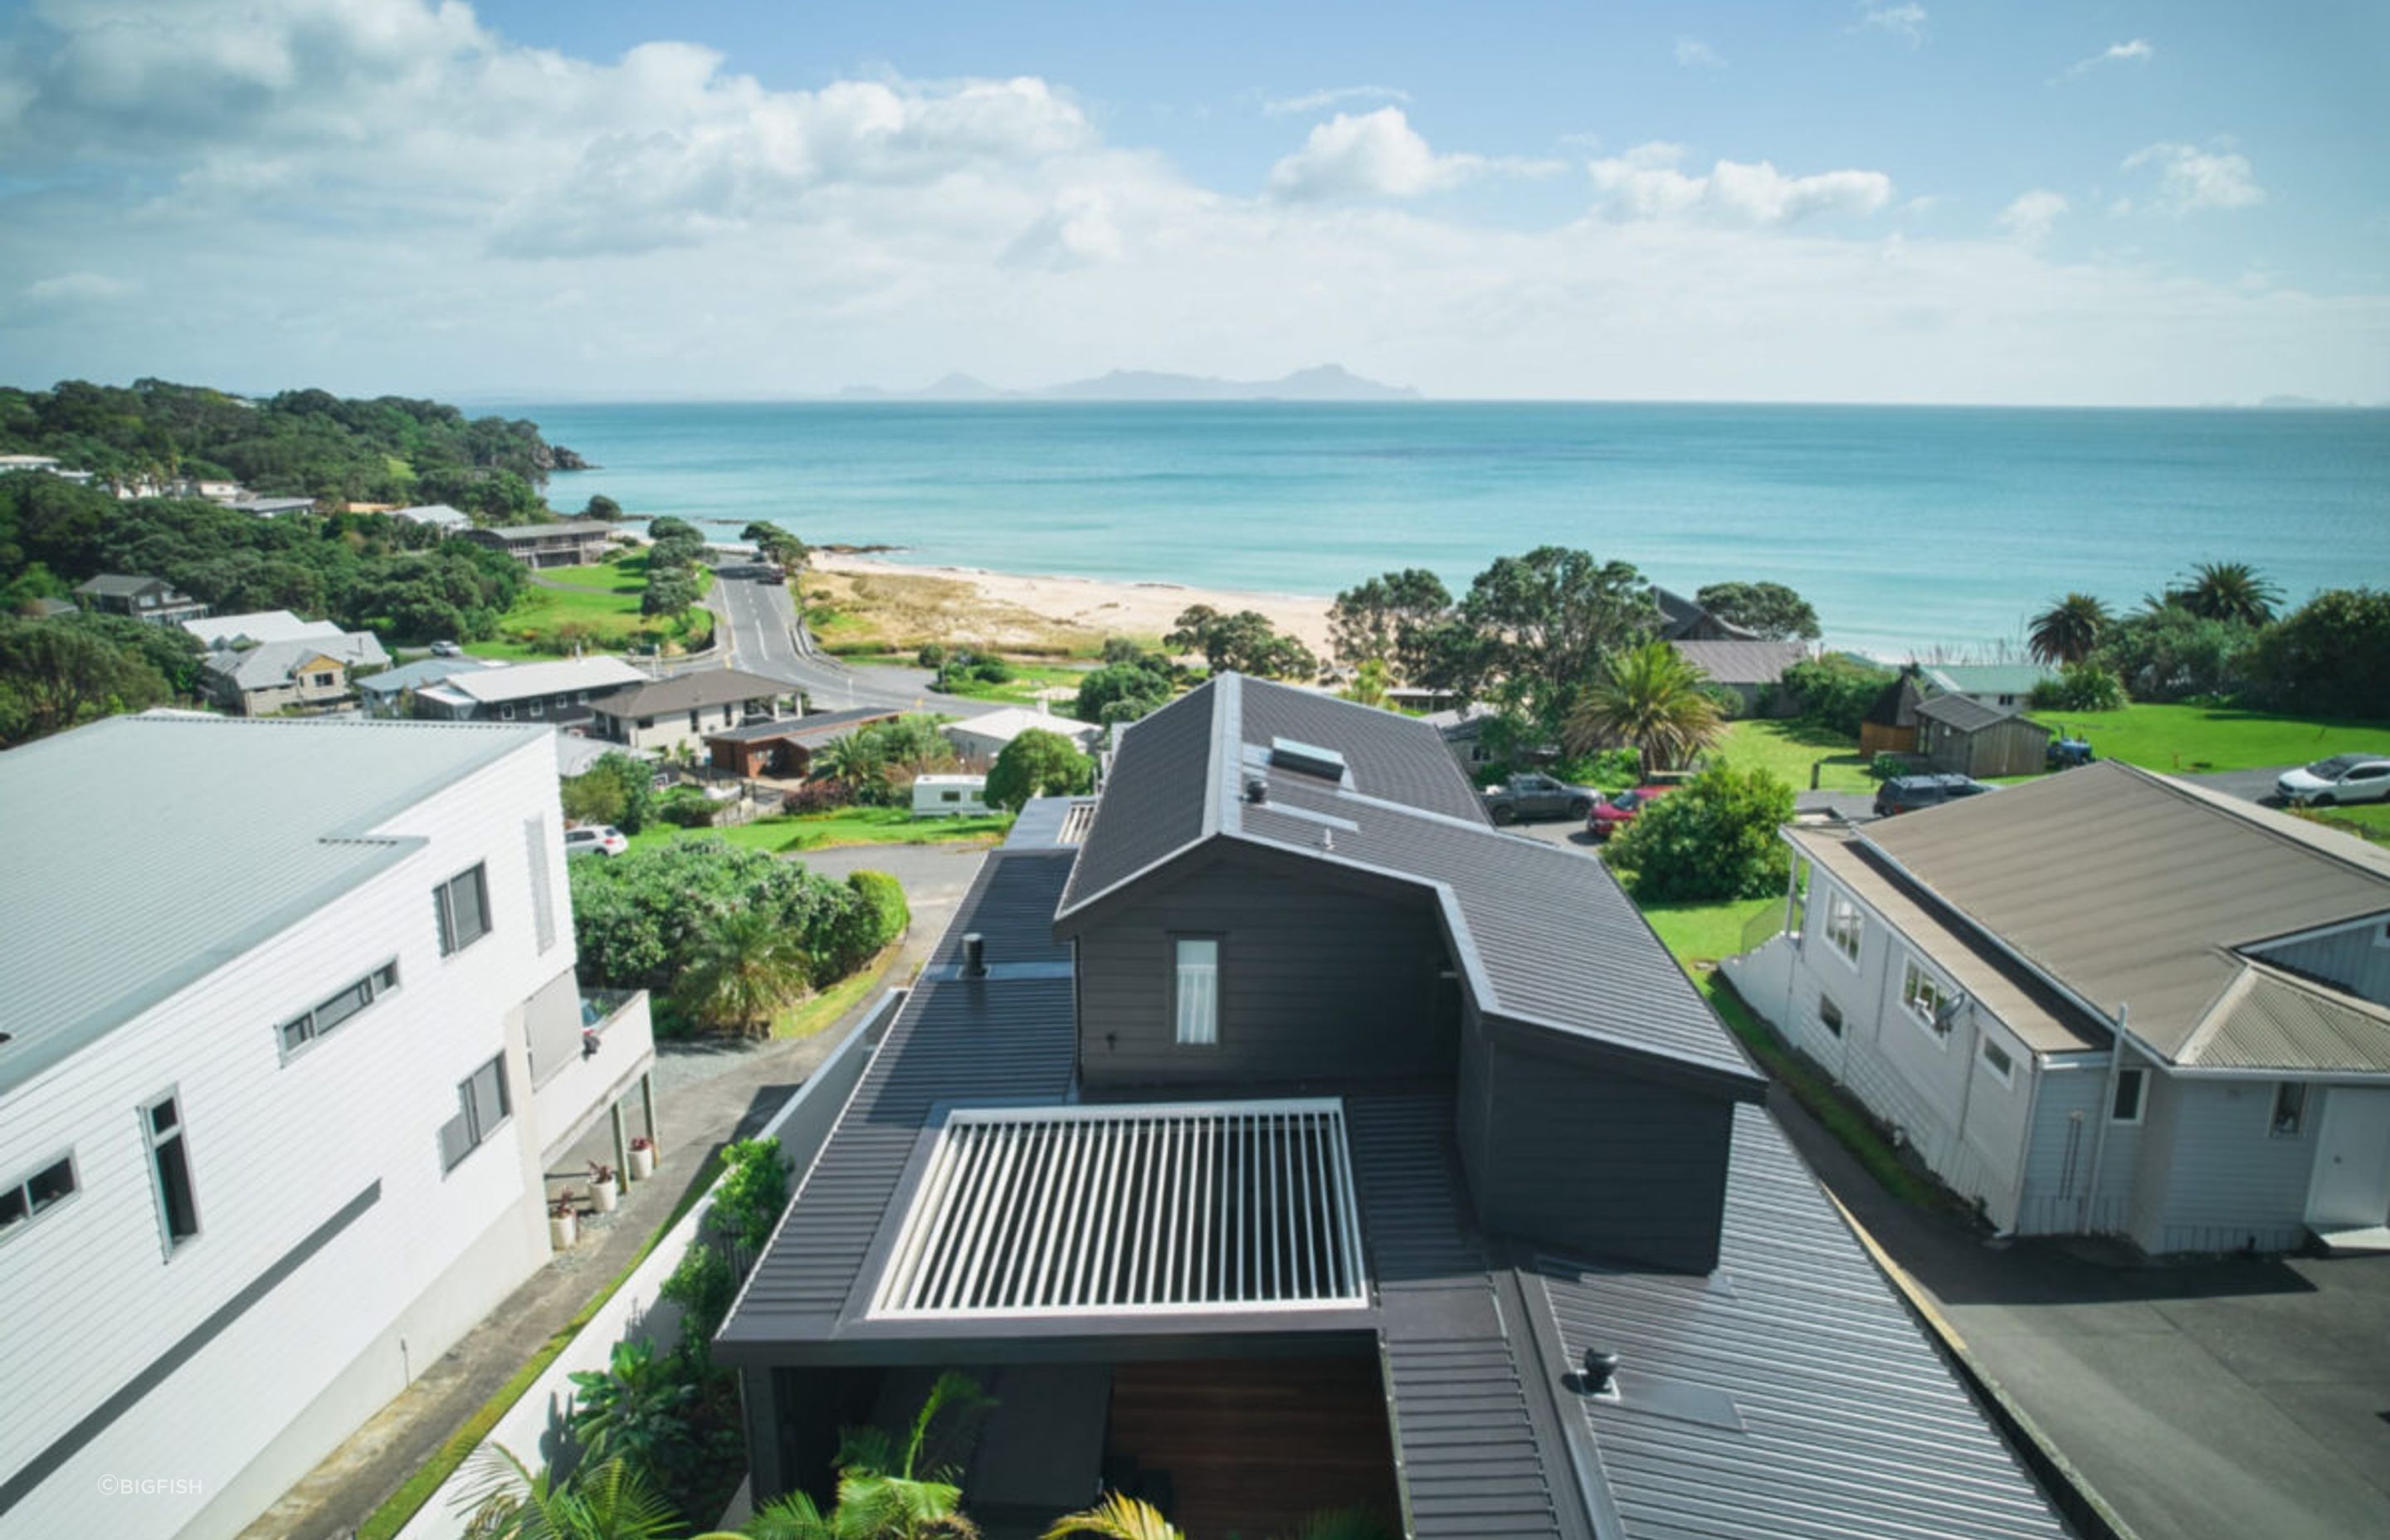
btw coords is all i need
(1214, 1206)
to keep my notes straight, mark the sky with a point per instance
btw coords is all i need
(2096, 202)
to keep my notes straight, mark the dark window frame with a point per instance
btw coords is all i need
(470, 1132)
(444, 907)
(1829, 1015)
(176, 1228)
(17, 1211)
(309, 1026)
(2139, 1078)
(2288, 1118)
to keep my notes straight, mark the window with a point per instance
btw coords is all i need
(32, 1195)
(463, 906)
(537, 707)
(481, 1106)
(1996, 1060)
(303, 1029)
(2127, 1107)
(1199, 990)
(323, 681)
(506, 713)
(542, 901)
(170, 1168)
(1924, 995)
(950, 796)
(693, 725)
(1842, 922)
(1830, 1016)
(2289, 1109)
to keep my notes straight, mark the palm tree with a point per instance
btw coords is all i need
(2068, 631)
(2231, 591)
(1648, 696)
(744, 972)
(607, 1501)
(853, 762)
(1115, 1518)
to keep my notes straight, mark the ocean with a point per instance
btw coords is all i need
(1914, 531)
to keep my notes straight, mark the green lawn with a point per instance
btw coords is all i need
(2195, 739)
(1788, 750)
(1704, 933)
(852, 826)
(604, 599)
(1020, 690)
(2370, 822)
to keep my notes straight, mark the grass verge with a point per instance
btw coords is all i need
(402, 1506)
(817, 1012)
(603, 599)
(1788, 751)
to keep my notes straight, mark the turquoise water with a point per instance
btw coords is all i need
(1909, 528)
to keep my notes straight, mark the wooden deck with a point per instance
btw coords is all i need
(1250, 1449)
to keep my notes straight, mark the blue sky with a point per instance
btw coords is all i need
(1888, 199)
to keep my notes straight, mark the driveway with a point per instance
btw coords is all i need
(2216, 1400)
(2252, 786)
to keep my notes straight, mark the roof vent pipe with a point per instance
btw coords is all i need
(974, 955)
(1600, 1374)
(1256, 789)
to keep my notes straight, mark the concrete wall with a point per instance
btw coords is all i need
(332, 1246)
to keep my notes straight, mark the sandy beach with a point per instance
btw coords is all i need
(1101, 605)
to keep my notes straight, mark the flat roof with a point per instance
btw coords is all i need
(122, 883)
(562, 526)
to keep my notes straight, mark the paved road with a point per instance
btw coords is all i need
(759, 630)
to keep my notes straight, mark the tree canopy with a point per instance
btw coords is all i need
(1245, 642)
(1715, 838)
(2069, 630)
(1037, 763)
(1386, 619)
(1776, 613)
(1651, 699)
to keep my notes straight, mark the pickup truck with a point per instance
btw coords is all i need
(1537, 795)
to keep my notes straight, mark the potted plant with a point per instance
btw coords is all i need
(604, 1189)
(563, 1221)
(643, 1158)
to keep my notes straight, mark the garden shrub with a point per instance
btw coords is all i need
(1884, 766)
(1835, 691)
(2084, 687)
(703, 1286)
(751, 1192)
(689, 807)
(883, 897)
(1711, 839)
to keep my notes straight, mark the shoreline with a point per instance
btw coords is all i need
(1117, 607)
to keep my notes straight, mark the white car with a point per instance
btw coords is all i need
(596, 840)
(2342, 778)
(446, 649)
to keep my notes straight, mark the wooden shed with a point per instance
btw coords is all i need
(1890, 726)
(1969, 738)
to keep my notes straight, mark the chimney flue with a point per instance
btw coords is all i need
(1600, 1374)
(1256, 789)
(974, 955)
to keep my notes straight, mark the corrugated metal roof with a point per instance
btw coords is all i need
(795, 728)
(120, 884)
(1790, 1395)
(493, 687)
(2027, 1006)
(1987, 678)
(2132, 890)
(219, 631)
(1966, 716)
(1544, 935)
(2271, 1020)
(271, 663)
(1743, 662)
(422, 672)
(682, 692)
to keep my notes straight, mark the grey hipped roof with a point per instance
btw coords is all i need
(1543, 936)
(119, 585)
(1742, 662)
(2136, 893)
(800, 729)
(1680, 617)
(1968, 715)
(272, 664)
(571, 527)
(120, 884)
(684, 692)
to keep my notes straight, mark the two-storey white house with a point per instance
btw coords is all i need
(2107, 1002)
(288, 1029)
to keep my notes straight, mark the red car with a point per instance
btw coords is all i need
(1618, 809)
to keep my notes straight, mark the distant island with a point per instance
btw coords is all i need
(1327, 382)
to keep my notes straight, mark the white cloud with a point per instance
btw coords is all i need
(2190, 180)
(1646, 184)
(78, 288)
(2032, 216)
(1904, 20)
(1379, 155)
(1334, 95)
(1692, 52)
(2140, 50)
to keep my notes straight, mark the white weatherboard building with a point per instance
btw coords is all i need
(289, 1036)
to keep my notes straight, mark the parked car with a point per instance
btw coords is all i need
(1908, 793)
(2342, 778)
(1619, 808)
(773, 575)
(596, 839)
(1535, 795)
(446, 649)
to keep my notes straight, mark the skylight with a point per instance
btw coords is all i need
(1165, 1207)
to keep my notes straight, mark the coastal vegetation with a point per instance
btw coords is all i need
(1037, 763)
(603, 608)
(1651, 699)
(301, 443)
(1774, 612)
(898, 614)
(1245, 642)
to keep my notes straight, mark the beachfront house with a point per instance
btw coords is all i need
(1285, 1137)
(667, 715)
(289, 1033)
(1684, 619)
(2107, 1002)
(566, 542)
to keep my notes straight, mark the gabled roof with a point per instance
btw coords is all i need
(1965, 715)
(1987, 678)
(218, 632)
(689, 692)
(493, 686)
(120, 885)
(1742, 662)
(1543, 936)
(1013, 721)
(120, 586)
(802, 729)
(423, 672)
(439, 514)
(1895, 704)
(2138, 893)
(272, 664)
(1681, 617)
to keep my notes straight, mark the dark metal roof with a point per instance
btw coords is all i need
(1788, 1394)
(683, 692)
(1895, 704)
(1967, 715)
(819, 725)
(1681, 617)
(1742, 662)
(1543, 936)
